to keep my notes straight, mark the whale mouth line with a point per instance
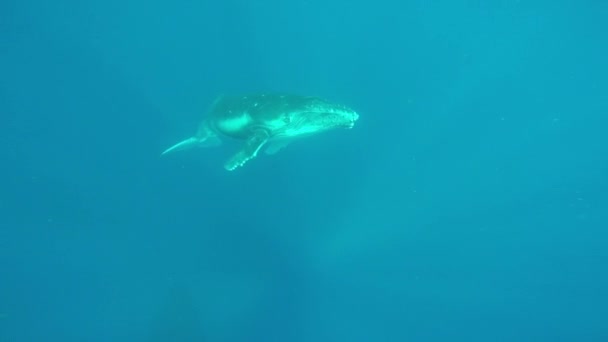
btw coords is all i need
(329, 117)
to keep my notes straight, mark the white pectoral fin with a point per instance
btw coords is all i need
(208, 141)
(275, 146)
(248, 151)
(182, 145)
(205, 137)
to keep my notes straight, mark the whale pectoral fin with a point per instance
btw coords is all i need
(248, 151)
(275, 146)
(209, 141)
(192, 143)
(205, 137)
(182, 145)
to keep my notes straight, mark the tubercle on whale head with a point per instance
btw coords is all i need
(319, 112)
(354, 118)
(340, 118)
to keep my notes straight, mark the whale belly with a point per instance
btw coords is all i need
(234, 123)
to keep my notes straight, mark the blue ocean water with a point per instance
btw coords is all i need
(467, 204)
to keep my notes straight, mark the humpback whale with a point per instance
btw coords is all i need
(270, 120)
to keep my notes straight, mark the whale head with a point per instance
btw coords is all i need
(316, 115)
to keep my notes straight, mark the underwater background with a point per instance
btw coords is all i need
(468, 203)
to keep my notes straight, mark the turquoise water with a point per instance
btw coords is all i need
(467, 204)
